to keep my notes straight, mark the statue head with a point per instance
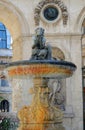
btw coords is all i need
(39, 31)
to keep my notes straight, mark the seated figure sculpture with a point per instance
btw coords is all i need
(40, 51)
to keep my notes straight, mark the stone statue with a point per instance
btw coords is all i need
(40, 51)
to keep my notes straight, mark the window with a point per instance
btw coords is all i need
(4, 82)
(5, 37)
(51, 13)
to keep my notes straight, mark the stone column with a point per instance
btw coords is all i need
(22, 48)
(74, 90)
(83, 50)
(17, 49)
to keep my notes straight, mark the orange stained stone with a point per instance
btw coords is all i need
(19, 70)
(38, 70)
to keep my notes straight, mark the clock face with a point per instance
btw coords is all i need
(51, 13)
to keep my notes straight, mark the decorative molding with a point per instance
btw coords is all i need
(57, 53)
(43, 3)
(79, 21)
(56, 97)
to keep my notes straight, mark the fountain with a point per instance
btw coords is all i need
(41, 114)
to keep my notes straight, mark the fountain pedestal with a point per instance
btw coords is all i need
(41, 115)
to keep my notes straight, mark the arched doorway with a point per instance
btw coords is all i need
(4, 106)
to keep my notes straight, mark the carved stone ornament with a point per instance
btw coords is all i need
(43, 3)
(56, 97)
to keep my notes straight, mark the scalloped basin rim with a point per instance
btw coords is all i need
(41, 68)
(54, 62)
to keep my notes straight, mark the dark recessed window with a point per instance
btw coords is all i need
(51, 13)
(4, 106)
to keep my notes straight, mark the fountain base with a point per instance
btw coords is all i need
(46, 126)
(40, 115)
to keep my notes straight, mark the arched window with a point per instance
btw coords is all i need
(4, 106)
(5, 37)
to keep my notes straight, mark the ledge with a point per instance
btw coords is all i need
(6, 52)
(53, 62)
(5, 89)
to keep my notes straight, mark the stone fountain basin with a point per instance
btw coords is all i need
(41, 68)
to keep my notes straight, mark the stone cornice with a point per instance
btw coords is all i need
(60, 35)
(64, 34)
(57, 34)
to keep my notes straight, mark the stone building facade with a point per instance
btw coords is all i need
(5, 57)
(64, 32)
